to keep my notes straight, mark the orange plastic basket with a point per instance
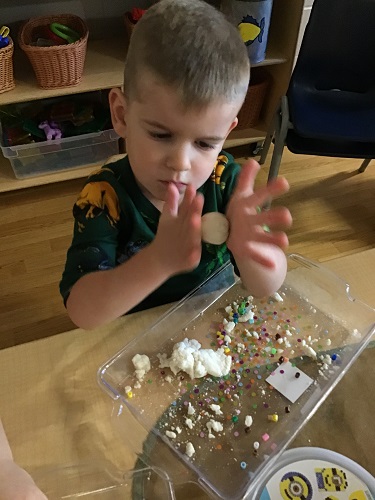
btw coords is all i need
(250, 112)
(60, 65)
(6, 67)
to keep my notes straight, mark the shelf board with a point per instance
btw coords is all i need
(8, 181)
(246, 136)
(273, 58)
(104, 69)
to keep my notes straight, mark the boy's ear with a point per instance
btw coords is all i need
(233, 125)
(118, 107)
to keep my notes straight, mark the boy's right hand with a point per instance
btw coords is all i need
(178, 242)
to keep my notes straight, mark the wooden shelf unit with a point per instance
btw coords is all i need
(104, 69)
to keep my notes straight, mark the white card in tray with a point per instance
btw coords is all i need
(290, 381)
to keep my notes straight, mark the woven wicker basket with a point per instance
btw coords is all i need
(60, 65)
(6, 67)
(250, 112)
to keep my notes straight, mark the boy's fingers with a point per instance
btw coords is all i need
(187, 200)
(277, 238)
(192, 204)
(246, 178)
(273, 189)
(257, 256)
(171, 200)
(198, 204)
(276, 217)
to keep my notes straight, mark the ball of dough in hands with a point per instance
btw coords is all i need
(215, 228)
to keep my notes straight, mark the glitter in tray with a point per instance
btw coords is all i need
(210, 412)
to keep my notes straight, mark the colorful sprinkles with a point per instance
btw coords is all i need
(259, 339)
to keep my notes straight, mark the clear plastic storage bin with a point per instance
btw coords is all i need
(41, 158)
(314, 327)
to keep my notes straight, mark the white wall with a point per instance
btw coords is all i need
(304, 20)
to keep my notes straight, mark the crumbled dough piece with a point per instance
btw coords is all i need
(188, 356)
(171, 434)
(142, 365)
(229, 326)
(189, 423)
(190, 450)
(215, 426)
(246, 317)
(191, 409)
(277, 297)
(248, 421)
(216, 409)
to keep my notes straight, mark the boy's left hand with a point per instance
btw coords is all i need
(247, 235)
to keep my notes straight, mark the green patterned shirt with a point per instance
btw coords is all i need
(114, 220)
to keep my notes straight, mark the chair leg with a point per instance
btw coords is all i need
(364, 165)
(268, 139)
(276, 157)
(281, 131)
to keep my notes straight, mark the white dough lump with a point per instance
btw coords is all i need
(215, 228)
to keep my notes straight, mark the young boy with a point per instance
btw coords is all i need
(137, 236)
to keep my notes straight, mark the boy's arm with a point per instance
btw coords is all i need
(102, 296)
(258, 253)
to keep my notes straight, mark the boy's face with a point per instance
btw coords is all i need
(167, 142)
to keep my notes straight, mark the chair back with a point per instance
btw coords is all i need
(338, 47)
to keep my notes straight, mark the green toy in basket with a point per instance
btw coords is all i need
(55, 65)
(64, 32)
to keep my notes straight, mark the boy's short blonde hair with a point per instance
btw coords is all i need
(190, 46)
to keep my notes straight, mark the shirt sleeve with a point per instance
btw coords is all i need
(95, 237)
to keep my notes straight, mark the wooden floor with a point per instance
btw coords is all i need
(332, 207)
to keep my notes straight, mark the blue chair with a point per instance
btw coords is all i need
(329, 108)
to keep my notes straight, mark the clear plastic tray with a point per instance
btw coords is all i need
(100, 481)
(317, 309)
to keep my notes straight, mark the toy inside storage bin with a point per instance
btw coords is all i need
(48, 157)
(101, 481)
(316, 302)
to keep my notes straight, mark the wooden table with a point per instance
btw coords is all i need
(54, 412)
